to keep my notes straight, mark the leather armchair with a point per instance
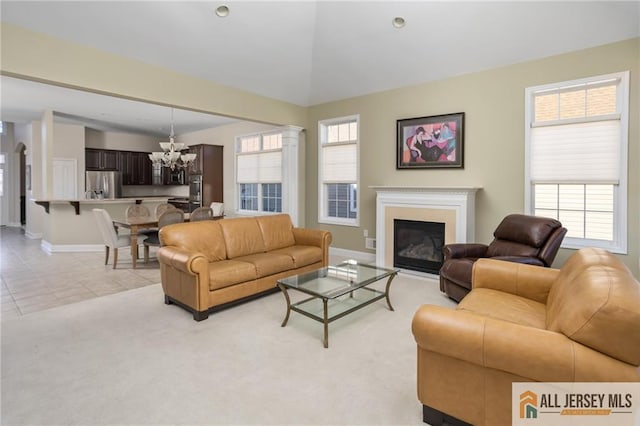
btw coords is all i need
(522, 323)
(518, 238)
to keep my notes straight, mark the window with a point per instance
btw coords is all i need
(338, 170)
(576, 158)
(259, 173)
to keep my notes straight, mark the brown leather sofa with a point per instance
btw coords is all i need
(522, 323)
(209, 264)
(518, 238)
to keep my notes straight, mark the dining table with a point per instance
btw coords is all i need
(135, 225)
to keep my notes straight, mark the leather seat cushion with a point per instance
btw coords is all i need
(301, 255)
(505, 306)
(268, 263)
(224, 273)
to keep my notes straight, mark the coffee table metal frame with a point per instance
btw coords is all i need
(345, 279)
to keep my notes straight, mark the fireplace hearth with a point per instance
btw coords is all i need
(417, 245)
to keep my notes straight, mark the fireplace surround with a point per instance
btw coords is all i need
(453, 206)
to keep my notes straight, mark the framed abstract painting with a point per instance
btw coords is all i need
(433, 142)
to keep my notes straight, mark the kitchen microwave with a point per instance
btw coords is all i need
(176, 177)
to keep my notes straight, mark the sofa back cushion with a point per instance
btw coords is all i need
(595, 301)
(277, 231)
(242, 236)
(203, 236)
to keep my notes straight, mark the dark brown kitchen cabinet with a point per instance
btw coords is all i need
(101, 159)
(205, 176)
(136, 168)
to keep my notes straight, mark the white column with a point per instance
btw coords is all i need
(291, 172)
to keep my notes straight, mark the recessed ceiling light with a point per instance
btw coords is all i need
(398, 22)
(222, 11)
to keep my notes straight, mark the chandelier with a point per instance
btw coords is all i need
(171, 156)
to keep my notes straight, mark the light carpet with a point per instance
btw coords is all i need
(128, 358)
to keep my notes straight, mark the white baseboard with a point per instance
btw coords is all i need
(49, 248)
(352, 254)
(32, 236)
(14, 224)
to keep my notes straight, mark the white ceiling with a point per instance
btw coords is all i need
(311, 52)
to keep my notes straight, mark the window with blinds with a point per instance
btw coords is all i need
(259, 172)
(576, 158)
(338, 170)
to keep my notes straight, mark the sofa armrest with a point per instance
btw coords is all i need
(192, 263)
(532, 353)
(532, 282)
(460, 250)
(536, 354)
(314, 237)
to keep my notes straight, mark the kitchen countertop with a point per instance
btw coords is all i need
(76, 202)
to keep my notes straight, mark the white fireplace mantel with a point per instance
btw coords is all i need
(453, 205)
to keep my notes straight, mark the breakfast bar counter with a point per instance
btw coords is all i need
(70, 225)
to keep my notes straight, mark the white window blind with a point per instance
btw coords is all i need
(339, 163)
(589, 152)
(263, 167)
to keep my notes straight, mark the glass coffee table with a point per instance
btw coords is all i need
(336, 291)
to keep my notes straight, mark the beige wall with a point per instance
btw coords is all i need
(121, 141)
(493, 103)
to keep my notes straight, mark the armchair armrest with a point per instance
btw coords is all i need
(532, 282)
(536, 354)
(460, 250)
(533, 353)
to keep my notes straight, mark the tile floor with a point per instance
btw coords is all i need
(32, 280)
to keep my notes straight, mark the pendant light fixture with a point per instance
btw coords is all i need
(170, 156)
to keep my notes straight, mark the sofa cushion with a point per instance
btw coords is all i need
(277, 231)
(594, 302)
(242, 236)
(268, 263)
(301, 255)
(504, 306)
(229, 272)
(203, 237)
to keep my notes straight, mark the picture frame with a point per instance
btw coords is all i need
(434, 142)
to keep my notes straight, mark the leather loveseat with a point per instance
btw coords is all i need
(522, 323)
(209, 264)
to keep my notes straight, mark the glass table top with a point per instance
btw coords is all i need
(334, 281)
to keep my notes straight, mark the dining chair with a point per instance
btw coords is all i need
(167, 218)
(138, 210)
(110, 235)
(161, 208)
(217, 208)
(201, 213)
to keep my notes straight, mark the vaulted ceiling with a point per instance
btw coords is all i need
(311, 52)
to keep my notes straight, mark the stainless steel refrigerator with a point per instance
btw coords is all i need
(107, 185)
